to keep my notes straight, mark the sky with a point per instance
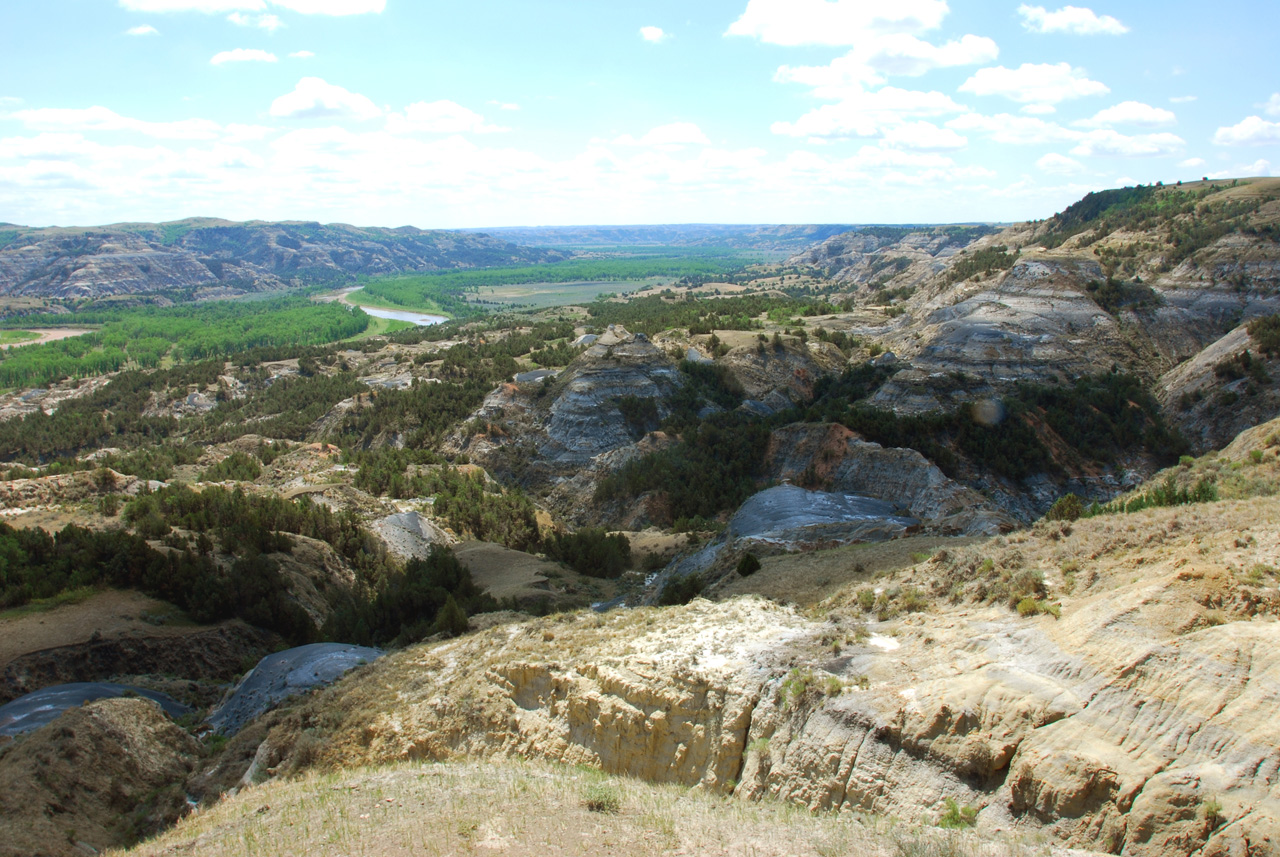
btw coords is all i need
(575, 112)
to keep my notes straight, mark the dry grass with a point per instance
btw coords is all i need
(110, 614)
(807, 578)
(525, 808)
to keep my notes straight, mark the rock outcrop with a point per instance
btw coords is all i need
(831, 457)
(1139, 722)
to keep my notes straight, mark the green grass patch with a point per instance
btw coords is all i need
(44, 605)
(14, 337)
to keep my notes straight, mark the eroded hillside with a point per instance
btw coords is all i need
(217, 258)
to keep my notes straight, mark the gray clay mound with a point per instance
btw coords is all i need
(30, 712)
(284, 674)
(791, 514)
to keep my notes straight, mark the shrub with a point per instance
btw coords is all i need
(602, 797)
(592, 552)
(236, 467)
(957, 817)
(748, 565)
(682, 590)
(1067, 508)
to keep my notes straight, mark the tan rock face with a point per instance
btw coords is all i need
(1140, 722)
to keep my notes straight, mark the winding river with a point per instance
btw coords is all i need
(418, 318)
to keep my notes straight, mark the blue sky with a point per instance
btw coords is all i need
(537, 112)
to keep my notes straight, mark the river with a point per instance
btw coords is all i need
(419, 318)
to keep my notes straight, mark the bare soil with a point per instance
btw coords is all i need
(107, 614)
(51, 335)
(507, 573)
(808, 578)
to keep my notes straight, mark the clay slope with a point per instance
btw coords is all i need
(215, 258)
(1140, 721)
(1093, 288)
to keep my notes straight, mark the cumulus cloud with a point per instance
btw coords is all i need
(834, 22)
(104, 119)
(270, 23)
(668, 136)
(1129, 113)
(865, 114)
(1014, 130)
(208, 6)
(1182, 99)
(242, 55)
(440, 117)
(333, 7)
(900, 54)
(1272, 106)
(1108, 142)
(313, 98)
(305, 7)
(1035, 83)
(301, 55)
(653, 34)
(143, 30)
(924, 137)
(1060, 165)
(504, 105)
(1253, 131)
(1070, 19)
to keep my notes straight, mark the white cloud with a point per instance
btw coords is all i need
(653, 34)
(838, 22)
(242, 55)
(301, 55)
(6, 100)
(208, 6)
(1129, 113)
(924, 137)
(440, 117)
(1107, 142)
(865, 114)
(1070, 19)
(313, 98)
(305, 7)
(1036, 83)
(142, 30)
(1060, 165)
(1014, 130)
(1182, 99)
(333, 7)
(1272, 106)
(1038, 109)
(675, 134)
(103, 119)
(1192, 162)
(1253, 131)
(504, 105)
(270, 23)
(1260, 167)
